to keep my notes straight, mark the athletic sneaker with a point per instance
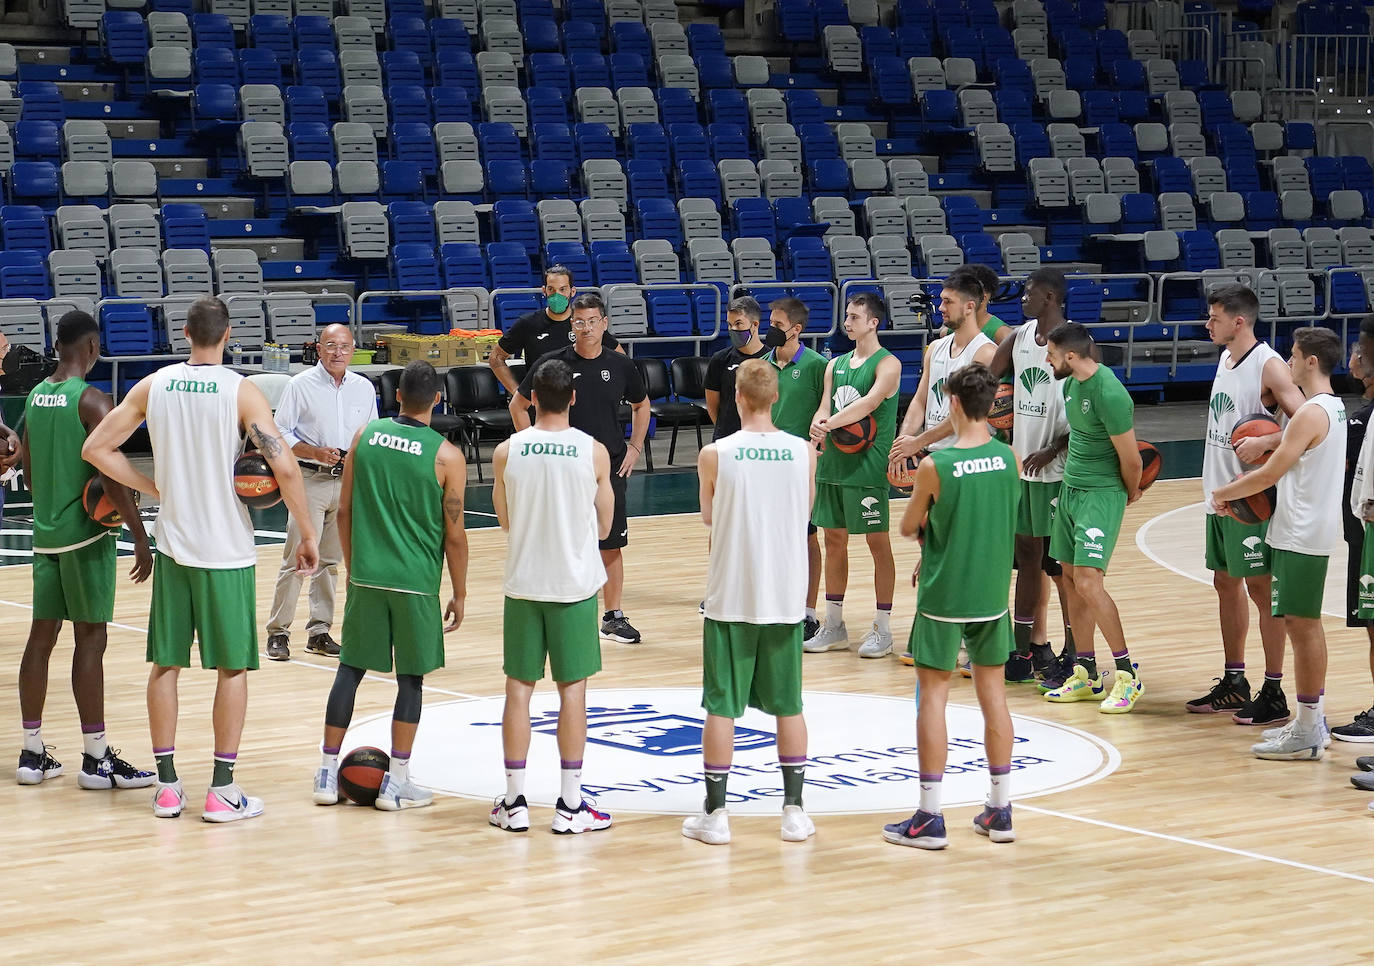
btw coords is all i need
(614, 627)
(585, 818)
(1126, 691)
(963, 663)
(514, 817)
(227, 803)
(995, 823)
(1365, 763)
(326, 786)
(1229, 693)
(1019, 670)
(875, 643)
(111, 771)
(827, 638)
(796, 824)
(1042, 660)
(1079, 687)
(279, 647)
(37, 767)
(1268, 707)
(810, 626)
(713, 828)
(1269, 733)
(168, 799)
(907, 658)
(924, 830)
(1363, 781)
(1059, 670)
(322, 644)
(701, 609)
(1291, 744)
(1361, 729)
(394, 796)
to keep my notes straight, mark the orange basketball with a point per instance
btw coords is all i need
(1150, 464)
(855, 437)
(1255, 508)
(1003, 410)
(1256, 424)
(903, 475)
(99, 507)
(254, 482)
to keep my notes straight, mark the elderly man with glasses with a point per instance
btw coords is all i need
(319, 413)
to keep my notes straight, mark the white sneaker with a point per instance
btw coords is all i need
(796, 824)
(326, 786)
(713, 828)
(828, 638)
(168, 799)
(394, 796)
(1291, 744)
(514, 817)
(227, 803)
(585, 818)
(875, 643)
(1270, 733)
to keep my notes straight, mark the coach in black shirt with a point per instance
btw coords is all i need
(538, 333)
(601, 379)
(743, 318)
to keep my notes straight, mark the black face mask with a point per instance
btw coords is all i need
(776, 338)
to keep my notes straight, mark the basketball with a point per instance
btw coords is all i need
(254, 482)
(1001, 414)
(361, 772)
(1150, 464)
(1255, 508)
(1256, 424)
(98, 506)
(855, 437)
(903, 475)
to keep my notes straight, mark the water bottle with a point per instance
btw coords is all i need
(236, 353)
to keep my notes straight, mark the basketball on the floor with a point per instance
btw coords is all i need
(1256, 424)
(254, 482)
(99, 507)
(1150, 464)
(856, 436)
(1000, 416)
(902, 474)
(1255, 508)
(361, 773)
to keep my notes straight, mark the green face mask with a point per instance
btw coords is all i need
(558, 303)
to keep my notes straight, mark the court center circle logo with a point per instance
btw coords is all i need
(644, 753)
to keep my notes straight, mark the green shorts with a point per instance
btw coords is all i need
(216, 607)
(1364, 606)
(1086, 525)
(76, 585)
(1035, 515)
(751, 665)
(567, 634)
(936, 643)
(380, 624)
(1299, 583)
(1237, 548)
(858, 509)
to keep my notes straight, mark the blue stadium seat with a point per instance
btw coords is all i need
(1080, 73)
(715, 71)
(499, 141)
(43, 101)
(829, 176)
(1134, 106)
(705, 38)
(412, 222)
(646, 179)
(507, 178)
(551, 177)
(402, 67)
(463, 266)
(612, 263)
(727, 141)
(1013, 74)
(551, 71)
(727, 107)
(631, 38)
(273, 32)
(459, 69)
(552, 142)
(414, 143)
(594, 141)
(677, 106)
(891, 79)
(313, 31)
(1013, 106)
(37, 141)
(34, 183)
(804, 107)
(215, 65)
(319, 67)
(1099, 107)
(310, 141)
(1261, 211)
(1139, 213)
(589, 69)
(515, 221)
(185, 226)
(1356, 173)
(818, 142)
(546, 106)
(450, 104)
(127, 329)
(306, 104)
(541, 35)
(1127, 75)
(215, 30)
(259, 67)
(123, 38)
(448, 34)
(1117, 141)
(796, 21)
(582, 36)
(628, 70)
(1199, 251)
(1171, 174)
(688, 142)
(571, 255)
(409, 104)
(658, 218)
(1031, 142)
(411, 34)
(1111, 47)
(1325, 175)
(914, 41)
(25, 227)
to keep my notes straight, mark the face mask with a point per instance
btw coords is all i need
(776, 338)
(558, 303)
(741, 337)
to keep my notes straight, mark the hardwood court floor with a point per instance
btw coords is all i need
(1192, 850)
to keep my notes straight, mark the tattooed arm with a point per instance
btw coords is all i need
(256, 416)
(452, 472)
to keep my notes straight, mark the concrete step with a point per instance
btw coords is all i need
(142, 129)
(325, 286)
(86, 91)
(984, 198)
(38, 55)
(276, 249)
(240, 209)
(1037, 232)
(181, 167)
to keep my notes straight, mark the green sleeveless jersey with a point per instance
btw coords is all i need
(398, 516)
(847, 384)
(966, 563)
(57, 473)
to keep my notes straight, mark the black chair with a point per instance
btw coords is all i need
(664, 409)
(443, 423)
(475, 396)
(689, 386)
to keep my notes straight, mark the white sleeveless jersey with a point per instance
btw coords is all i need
(1039, 401)
(943, 363)
(1236, 392)
(1362, 486)
(193, 423)
(1308, 516)
(757, 571)
(552, 553)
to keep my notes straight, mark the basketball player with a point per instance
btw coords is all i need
(73, 560)
(401, 506)
(553, 496)
(1359, 458)
(963, 508)
(1101, 478)
(1303, 533)
(1251, 378)
(203, 585)
(751, 640)
(743, 318)
(988, 324)
(852, 488)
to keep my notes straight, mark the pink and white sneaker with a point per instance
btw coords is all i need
(585, 818)
(227, 803)
(168, 799)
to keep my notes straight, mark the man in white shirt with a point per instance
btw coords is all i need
(319, 413)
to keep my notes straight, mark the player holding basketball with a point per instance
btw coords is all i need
(1251, 378)
(204, 585)
(401, 507)
(751, 641)
(1305, 530)
(964, 510)
(73, 560)
(852, 488)
(553, 496)
(1101, 478)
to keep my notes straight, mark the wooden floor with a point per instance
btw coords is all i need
(1191, 850)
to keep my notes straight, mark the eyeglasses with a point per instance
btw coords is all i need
(587, 323)
(337, 347)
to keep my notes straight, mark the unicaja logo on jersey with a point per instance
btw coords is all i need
(939, 390)
(50, 400)
(1220, 405)
(399, 443)
(871, 511)
(192, 385)
(1367, 591)
(1253, 553)
(1034, 377)
(1092, 541)
(844, 395)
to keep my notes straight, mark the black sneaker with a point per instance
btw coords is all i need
(322, 644)
(810, 625)
(1018, 669)
(1231, 693)
(278, 647)
(111, 771)
(614, 627)
(1268, 707)
(1059, 671)
(1361, 729)
(37, 767)
(1042, 659)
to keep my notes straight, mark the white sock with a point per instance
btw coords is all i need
(930, 796)
(1000, 793)
(810, 613)
(1310, 715)
(400, 769)
(883, 621)
(571, 784)
(33, 740)
(515, 783)
(329, 761)
(834, 612)
(94, 744)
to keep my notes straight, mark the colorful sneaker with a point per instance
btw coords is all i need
(713, 828)
(37, 767)
(615, 627)
(875, 643)
(1078, 687)
(995, 823)
(1019, 670)
(111, 771)
(1126, 691)
(168, 799)
(326, 786)
(1361, 729)
(1268, 707)
(394, 796)
(796, 824)
(924, 830)
(1270, 733)
(907, 658)
(963, 663)
(1228, 694)
(1059, 670)
(514, 817)
(827, 638)
(585, 818)
(810, 626)
(1291, 744)
(227, 803)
